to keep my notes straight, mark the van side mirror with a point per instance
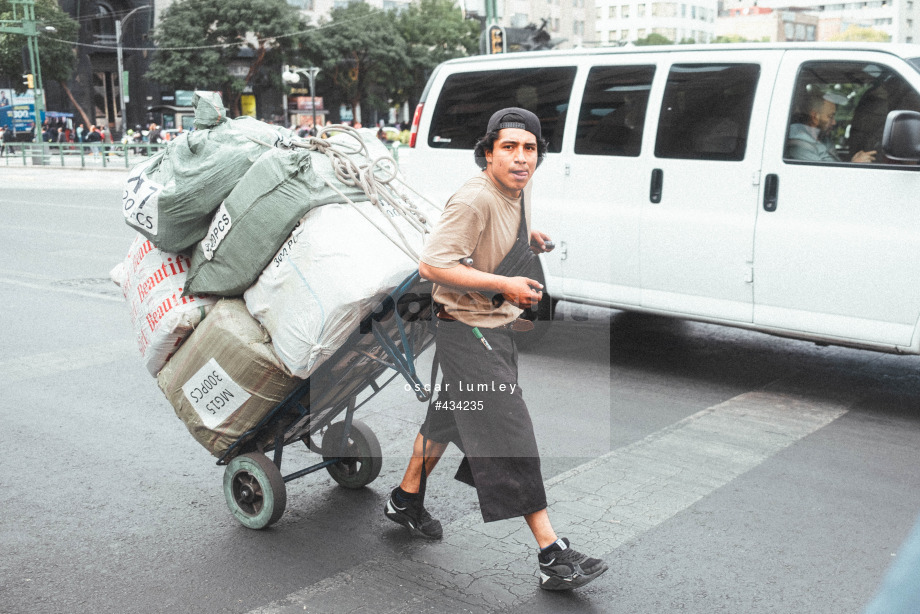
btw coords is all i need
(901, 138)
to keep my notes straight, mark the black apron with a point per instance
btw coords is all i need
(481, 409)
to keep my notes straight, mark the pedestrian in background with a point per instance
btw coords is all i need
(94, 138)
(107, 139)
(9, 137)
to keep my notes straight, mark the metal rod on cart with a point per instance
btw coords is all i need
(311, 469)
(292, 398)
(279, 446)
(349, 416)
(403, 365)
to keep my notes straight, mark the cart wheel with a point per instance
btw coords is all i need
(361, 459)
(255, 490)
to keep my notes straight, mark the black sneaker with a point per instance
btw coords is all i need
(414, 517)
(563, 568)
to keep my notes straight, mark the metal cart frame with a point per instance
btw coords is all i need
(390, 339)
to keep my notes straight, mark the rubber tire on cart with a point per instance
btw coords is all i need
(361, 459)
(255, 490)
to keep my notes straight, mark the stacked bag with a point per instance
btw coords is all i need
(171, 198)
(299, 250)
(153, 283)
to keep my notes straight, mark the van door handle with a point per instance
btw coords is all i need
(657, 183)
(770, 192)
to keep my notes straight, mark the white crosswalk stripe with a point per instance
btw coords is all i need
(600, 505)
(52, 363)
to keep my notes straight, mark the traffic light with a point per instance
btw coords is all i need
(496, 39)
(29, 81)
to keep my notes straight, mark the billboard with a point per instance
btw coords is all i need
(248, 105)
(17, 111)
(304, 103)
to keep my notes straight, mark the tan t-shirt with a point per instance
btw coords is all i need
(481, 223)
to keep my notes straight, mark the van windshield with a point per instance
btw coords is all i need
(467, 100)
(915, 62)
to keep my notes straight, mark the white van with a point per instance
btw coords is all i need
(671, 185)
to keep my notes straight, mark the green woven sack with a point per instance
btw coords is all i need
(171, 198)
(257, 217)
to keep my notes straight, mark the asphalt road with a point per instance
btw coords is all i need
(715, 470)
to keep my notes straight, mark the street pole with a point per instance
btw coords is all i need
(26, 27)
(39, 91)
(121, 74)
(121, 68)
(491, 12)
(292, 74)
(284, 99)
(311, 74)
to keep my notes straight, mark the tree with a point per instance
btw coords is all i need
(360, 52)
(435, 31)
(653, 39)
(199, 39)
(858, 34)
(55, 54)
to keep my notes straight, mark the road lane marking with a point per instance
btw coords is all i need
(55, 231)
(33, 204)
(600, 505)
(64, 289)
(62, 361)
(27, 275)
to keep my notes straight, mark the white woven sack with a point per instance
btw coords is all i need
(331, 272)
(152, 282)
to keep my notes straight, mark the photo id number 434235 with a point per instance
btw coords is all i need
(458, 405)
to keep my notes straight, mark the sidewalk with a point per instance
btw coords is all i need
(72, 156)
(74, 177)
(117, 156)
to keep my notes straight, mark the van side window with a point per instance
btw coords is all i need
(613, 109)
(467, 100)
(839, 111)
(706, 111)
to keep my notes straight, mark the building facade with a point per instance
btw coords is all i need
(317, 10)
(899, 19)
(624, 21)
(767, 25)
(569, 22)
(95, 83)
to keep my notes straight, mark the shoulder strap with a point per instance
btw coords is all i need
(522, 228)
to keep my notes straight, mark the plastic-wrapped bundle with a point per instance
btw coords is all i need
(152, 282)
(329, 274)
(171, 198)
(225, 378)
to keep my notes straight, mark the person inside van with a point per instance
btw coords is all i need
(810, 137)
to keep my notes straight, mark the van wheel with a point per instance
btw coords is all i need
(541, 317)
